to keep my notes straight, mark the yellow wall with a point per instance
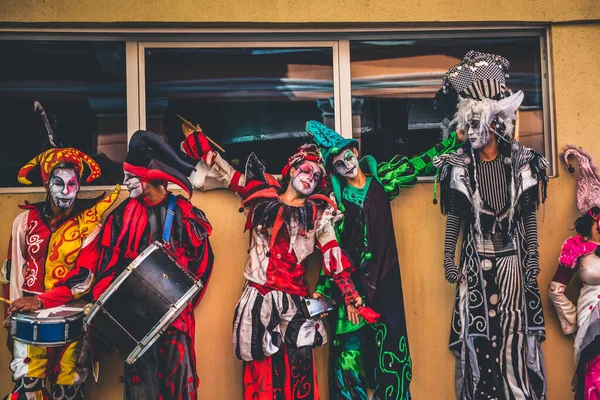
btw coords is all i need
(281, 11)
(419, 225)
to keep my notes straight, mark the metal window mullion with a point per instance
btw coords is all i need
(132, 85)
(142, 85)
(547, 104)
(345, 89)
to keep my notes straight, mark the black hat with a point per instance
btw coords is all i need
(151, 158)
(478, 76)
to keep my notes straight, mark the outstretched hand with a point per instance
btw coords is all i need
(451, 272)
(353, 313)
(196, 145)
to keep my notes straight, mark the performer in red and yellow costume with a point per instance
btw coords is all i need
(50, 243)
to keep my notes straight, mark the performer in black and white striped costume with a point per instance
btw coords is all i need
(491, 188)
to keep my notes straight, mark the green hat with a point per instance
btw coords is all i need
(329, 141)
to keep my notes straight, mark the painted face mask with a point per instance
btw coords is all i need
(306, 178)
(478, 134)
(63, 187)
(346, 164)
(134, 185)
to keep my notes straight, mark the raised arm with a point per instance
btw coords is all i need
(213, 172)
(402, 172)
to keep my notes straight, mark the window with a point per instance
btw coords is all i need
(394, 83)
(251, 92)
(247, 99)
(81, 86)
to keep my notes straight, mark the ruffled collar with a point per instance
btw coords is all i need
(574, 248)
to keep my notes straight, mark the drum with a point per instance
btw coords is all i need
(142, 302)
(49, 327)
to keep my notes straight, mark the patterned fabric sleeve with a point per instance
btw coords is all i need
(18, 255)
(323, 285)
(565, 309)
(79, 280)
(336, 263)
(105, 273)
(198, 251)
(456, 210)
(453, 224)
(528, 214)
(402, 172)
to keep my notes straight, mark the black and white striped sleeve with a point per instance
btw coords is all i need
(528, 215)
(453, 224)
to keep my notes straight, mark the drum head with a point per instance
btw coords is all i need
(60, 313)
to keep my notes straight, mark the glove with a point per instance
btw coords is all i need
(532, 267)
(197, 146)
(451, 272)
(368, 314)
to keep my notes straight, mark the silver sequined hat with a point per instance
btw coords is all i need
(478, 76)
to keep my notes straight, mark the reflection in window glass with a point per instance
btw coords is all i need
(81, 86)
(246, 99)
(394, 84)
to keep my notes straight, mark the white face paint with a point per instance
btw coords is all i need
(306, 178)
(478, 135)
(134, 185)
(63, 187)
(346, 164)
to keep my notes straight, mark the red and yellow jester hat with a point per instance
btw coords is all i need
(50, 159)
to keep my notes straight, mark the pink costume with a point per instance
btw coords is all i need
(580, 255)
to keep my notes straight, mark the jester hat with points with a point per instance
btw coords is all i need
(152, 159)
(56, 157)
(329, 141)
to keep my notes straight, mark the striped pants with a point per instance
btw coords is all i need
(64, 366)
(502, 366)
(275, 340)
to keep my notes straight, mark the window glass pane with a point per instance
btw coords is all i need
(81, 86)
(394, 83)
(246, 99)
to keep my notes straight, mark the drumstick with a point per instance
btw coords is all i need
(5, 300)
(190, 125)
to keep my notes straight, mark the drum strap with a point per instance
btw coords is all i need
(169, 218)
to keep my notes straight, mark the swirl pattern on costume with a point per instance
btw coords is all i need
(34, 243)
(387, 359)
(65, 243)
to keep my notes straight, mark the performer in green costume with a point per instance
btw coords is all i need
(369, 356)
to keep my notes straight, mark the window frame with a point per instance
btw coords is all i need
(138, 39)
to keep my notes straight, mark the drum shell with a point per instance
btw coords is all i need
(48, 332)
(142, 302)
